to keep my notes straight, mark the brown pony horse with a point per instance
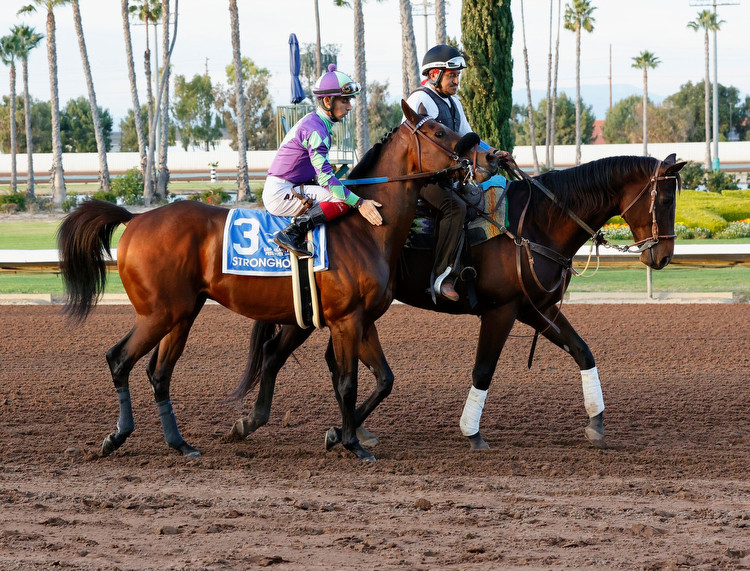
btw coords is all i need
(170, 262)
(521, 277)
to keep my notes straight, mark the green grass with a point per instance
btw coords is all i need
(47, 282)
(735, 279)
(35, 235)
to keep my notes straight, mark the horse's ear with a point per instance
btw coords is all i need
(673, 168)
(422, 110)
(409, 113)
(670, 160)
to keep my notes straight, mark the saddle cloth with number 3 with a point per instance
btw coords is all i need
(249, 249)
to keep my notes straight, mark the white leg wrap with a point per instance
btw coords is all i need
(592, 392)
(472, 412)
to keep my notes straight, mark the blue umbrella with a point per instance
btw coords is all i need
(298, 94)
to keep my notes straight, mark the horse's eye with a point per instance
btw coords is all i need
(439, 134)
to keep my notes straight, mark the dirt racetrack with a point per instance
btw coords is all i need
(670, 491)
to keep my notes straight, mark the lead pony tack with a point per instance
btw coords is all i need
(523, 273)
(169, 260)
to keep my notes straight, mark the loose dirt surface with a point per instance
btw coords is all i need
(670, 491)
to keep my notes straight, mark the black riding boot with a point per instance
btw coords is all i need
(293, 236)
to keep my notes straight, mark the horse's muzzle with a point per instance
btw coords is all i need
(659, 255)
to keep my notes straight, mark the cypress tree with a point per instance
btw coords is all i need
(487, 36)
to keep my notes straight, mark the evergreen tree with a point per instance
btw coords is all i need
(487, 34)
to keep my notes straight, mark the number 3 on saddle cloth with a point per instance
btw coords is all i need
(491, 199)
(249, 249)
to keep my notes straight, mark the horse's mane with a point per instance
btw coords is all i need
(371, 157)
(593, 185)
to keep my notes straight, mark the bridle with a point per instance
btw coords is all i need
(652, 240)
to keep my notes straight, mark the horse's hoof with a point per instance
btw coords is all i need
(595, 437)
(333, 437)
(477, 443)
(112, 443)
(189, 451)
(240, 430)
(361, 453)
(108, 446)
(367, 438)
(595, 430)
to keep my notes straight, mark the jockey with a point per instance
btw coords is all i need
(300, 173)
(442, 66)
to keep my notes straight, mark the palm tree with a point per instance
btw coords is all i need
(553, 118)
(28, 39)
(528, 93)
(318, 53)
(645, 61)
(549, 91)
(8, 54)
(360, 75)
(148, 189)
(148, 11)
(161, 186)
(98, 134)
(708, 22)
(243, 184)
(441, 35)
(409, 64)
(57, 177)
(578, 15)
(125, 11)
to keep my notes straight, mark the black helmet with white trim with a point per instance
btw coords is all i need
(442, 57)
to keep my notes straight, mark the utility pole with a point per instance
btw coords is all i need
(715, 163)
(426, 9)
(610, 77)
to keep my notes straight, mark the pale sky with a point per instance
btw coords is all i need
(203, 39)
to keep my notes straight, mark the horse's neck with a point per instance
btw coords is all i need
(557, 229)
(398, 200)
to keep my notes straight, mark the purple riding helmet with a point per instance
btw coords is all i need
(334, 84)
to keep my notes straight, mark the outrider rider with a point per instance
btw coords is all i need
(301, 174)
(442, 66)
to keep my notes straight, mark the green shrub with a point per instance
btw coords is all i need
(214, 196)
(717, 181)
(692, 175)
(685, 233)
(18, 198)
(104, 195)
(69, 202)
(129, 187)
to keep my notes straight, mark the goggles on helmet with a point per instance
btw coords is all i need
(457, 62)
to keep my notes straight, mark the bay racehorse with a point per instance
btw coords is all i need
(522, 274)
(170, 262)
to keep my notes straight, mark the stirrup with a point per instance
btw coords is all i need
(440, 285)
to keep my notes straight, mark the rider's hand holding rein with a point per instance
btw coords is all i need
(369, 210)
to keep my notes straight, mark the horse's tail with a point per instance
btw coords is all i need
(83, 238)
(262, 332)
